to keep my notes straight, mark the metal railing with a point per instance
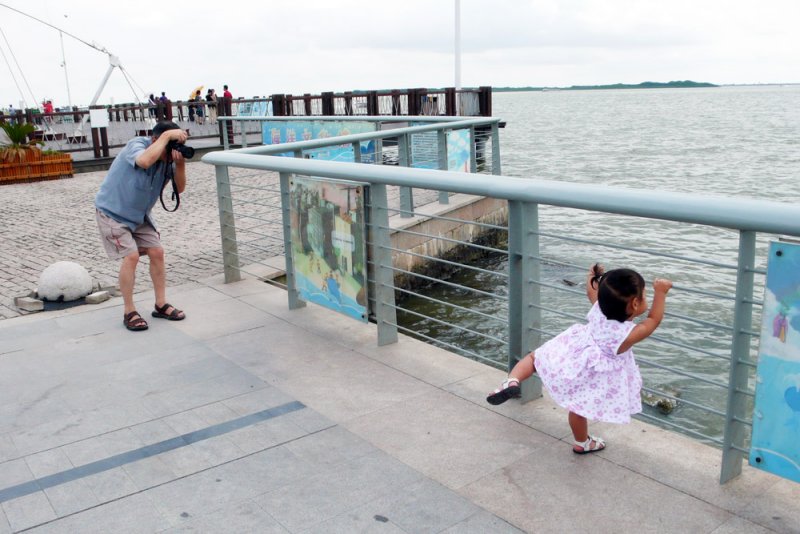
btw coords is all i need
(700, 358)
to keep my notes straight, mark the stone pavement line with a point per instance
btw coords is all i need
(106, 464)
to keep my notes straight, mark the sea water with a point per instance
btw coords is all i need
(741, 141)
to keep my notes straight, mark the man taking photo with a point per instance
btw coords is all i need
(127, 195)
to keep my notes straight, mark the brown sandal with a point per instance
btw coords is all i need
(134, 322)
(174, 315)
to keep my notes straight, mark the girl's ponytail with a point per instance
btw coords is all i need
(597, 275)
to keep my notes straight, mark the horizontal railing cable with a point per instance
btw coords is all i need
(465, 222)
(686, 374)
(682, 400)
(445, 239)
(641, 251)
(447, 283)
(436, 259)
(449, 325)
(439, 342)
(660, 421)
(470, 311)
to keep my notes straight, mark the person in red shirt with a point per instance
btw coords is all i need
(226, 94)
(48, 107)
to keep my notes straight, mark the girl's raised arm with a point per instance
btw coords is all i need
(642, 330)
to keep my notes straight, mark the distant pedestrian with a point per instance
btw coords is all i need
(167, 111)
(152, 102)
(226, 94)
(589, 369)
(199, 114)
(211, 102)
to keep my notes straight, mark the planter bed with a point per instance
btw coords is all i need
(36, 167)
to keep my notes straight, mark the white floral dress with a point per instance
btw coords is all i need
(584, 374)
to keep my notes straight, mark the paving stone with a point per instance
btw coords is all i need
(28, 304)
(97, 297)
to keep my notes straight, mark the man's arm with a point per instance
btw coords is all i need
(153, 153)
(180, 171)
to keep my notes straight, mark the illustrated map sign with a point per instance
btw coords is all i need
(775, 445)
(328, 238)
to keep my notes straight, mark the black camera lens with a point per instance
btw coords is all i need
(186, 151)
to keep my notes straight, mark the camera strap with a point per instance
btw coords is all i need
(169, 176)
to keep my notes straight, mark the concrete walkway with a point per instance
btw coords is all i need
(249, 417)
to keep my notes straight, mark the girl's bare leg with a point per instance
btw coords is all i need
(524, 368)
(580, 431)
(511, 386)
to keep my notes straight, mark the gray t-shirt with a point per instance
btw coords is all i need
(129, 192)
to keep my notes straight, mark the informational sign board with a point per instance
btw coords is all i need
(425, 150)
(254, 109)
(275, 132)
(775, 445)
(98, 118)
(329, 244)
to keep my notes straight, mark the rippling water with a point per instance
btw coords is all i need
(731, 141)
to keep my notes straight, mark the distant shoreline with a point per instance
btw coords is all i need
(643, 85)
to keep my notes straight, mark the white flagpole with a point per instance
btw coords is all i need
(458, 44)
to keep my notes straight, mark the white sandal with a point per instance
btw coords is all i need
(586, 446)
(505, 392)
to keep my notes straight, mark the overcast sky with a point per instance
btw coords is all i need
(261, 48)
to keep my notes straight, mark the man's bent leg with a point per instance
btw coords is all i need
(158, 273)
(127, 279)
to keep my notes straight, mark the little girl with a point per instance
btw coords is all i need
(589, 368)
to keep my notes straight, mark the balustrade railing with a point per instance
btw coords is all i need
(702, 359)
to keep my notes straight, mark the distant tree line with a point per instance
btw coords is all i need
(643, 85)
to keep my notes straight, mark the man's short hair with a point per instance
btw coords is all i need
(163, 126)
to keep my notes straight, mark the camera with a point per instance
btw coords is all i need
(186, 151)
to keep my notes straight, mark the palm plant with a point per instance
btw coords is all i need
(18, 146)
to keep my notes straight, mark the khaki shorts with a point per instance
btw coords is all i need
(118, 239)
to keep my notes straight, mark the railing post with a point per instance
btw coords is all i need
(735, 431)
(357, 152)
(327, 103)
(372, 103)
(244, 133)
(288, 253)
(348, 102)
(496, 168)
(441, 148)
(485, 100)
(227, 226)
(473, 153)
(406, 195)
(223, 128)
(524, 292)
(450, 101)
(395, 102)
(307, 103)
(278, 105)
(385, 312)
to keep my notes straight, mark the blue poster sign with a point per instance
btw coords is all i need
(276, 131)
(328, 239)
(776, 417)
(425, 150)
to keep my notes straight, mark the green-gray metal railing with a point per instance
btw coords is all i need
(746, 216)
(440, 125)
